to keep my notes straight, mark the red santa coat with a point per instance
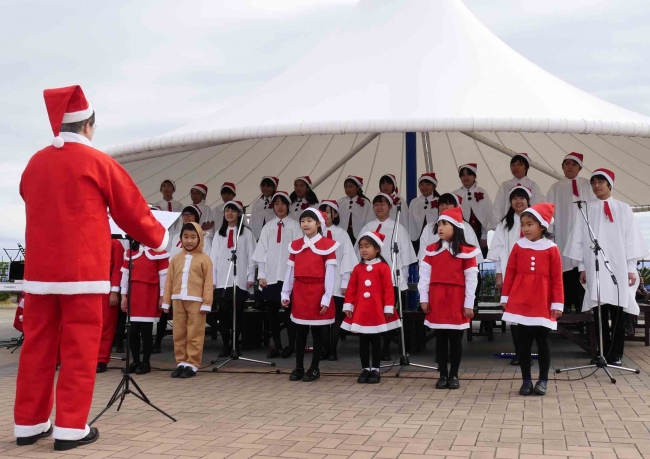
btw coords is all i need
(81, 182)
(148, 273)
(308, 261)
(370, 296)
(452, 286)
(533, 284)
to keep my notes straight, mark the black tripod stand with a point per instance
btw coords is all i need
(404, 360)
(601, 362)
(123, 388)
(233, 268)
(13, 343)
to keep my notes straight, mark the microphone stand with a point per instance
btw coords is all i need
(601, 362)
(123, 388)
(404, 357)
(233, 268)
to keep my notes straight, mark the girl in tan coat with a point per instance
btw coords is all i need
(189, 290)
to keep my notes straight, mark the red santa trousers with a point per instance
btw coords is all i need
(74, 321)
(109, 322)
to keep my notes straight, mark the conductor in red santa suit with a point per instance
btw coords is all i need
(66, 281)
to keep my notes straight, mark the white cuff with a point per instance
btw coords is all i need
(389, 309)
(162, 292)
(206, 307)
(325, 301)
(469, 304)
(165, 241)
(115, 289)
(557, 307)
(504, 299)
(348, 307)
(581, 267)
(284, 296)
(165, 307)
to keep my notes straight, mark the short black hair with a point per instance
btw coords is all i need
(379, 198)
(281, 197)
(600, 177)
(193, 211)
(167, 181)
(336, 220)
(449, 199)
(468, 170)
(77, 127)
(569, 159)
(188, 227)
(268, 182)
(522, 160)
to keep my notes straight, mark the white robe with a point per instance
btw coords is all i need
(404, 216)
(482, 209)
(346, 258)
(206, 214)
(420, 207)
(261, 214)
(270, 255)
(406, 253)
(296, 208)
(566, 212)
(360, 215)
(502, 201)
(502, 243)
(623, 244)
(429, 237)
(217, 214)
(221, 255)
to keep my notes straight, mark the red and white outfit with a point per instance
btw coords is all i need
(311, 278)
(65, 281)
(370, 296)
(533, 284)
(453, 287)
(148, 275)
(109, 313)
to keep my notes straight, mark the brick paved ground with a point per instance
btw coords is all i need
(239, 415)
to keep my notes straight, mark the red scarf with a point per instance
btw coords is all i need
(575, 188)
(378, 228)
(608, 212)
(169, 206)
(231, 239)
(279, 237)
(329, 234)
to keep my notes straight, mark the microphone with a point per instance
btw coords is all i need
(579, 202)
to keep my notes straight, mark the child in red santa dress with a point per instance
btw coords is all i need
(370, 304)
(311, 278)
(148, 275)
(110, 305)
(447, 286)
(533, 292)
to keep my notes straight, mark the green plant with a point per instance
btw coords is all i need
(4, 268)
(4, 296)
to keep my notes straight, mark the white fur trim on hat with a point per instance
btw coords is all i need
(453, 221)
(372, 235)
(318, 213)
(329, 202)
(236, 204)
(388, 197)
(537, 215)
(75, 117)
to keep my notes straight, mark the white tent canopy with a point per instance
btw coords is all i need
(398, 66)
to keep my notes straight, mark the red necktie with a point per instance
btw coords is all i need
(575, 188)
(231, 241)
(329, 234)
(279, 238)
(608, 212)
(378, 228)
(169, 206)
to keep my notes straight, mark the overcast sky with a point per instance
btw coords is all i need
(152, 66)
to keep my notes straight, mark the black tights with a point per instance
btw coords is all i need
(302, 331)
(142, 330)
(161, 327)
(365, 341)
(449, 349)
(273, 309)
(332, 333)
(528, 334)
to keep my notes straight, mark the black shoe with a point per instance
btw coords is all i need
(287, 352)
(102, 367)
(616, 361)
(442, 383)
(386, 357)
(65, 445)
(297, 374)
(273, 354)
(526, 388)
(332, 357)
(178, 371)
(515, 361)
(25, 441)
(143, 369)
(225, 352)
(454, 383)
(363, 377)
(311, 375)
(134, 366)
(119, 349)
(374, 377)
(188, 373)
(540, 388)
(156, 349)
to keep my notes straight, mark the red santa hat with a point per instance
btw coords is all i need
(304, 178)
(453, 216)
(237, 204)
(330, 202)
(471, 166)
(543, 212)
(377, 237)
(319, 214)
(355, 179)
(173, 184)
(429, 177)
(392, 178)
(202, 188)
(389, 198)
(573, 156)
(65, 105)
(229, 186)
(523, 156)
(519, 186)
(282, 194)
(275, 180)
(609, 175)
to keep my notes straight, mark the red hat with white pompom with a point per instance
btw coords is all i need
(609, 175)
(428, 177)
(470, 166)
(573, 156)
(543, 212)
(355, 179)
(374, 235)
(453, 216)
(319, 213)
(65, 105)
(330, 202)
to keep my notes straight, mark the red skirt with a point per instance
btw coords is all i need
(306, 302)
(144, 302)
(446, 303)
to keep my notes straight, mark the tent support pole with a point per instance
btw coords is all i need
(426, 146)
(511, 153)
(363, 144)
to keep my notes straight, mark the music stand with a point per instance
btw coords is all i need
(123, 388)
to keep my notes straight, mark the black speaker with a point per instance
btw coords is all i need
(16, 270)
